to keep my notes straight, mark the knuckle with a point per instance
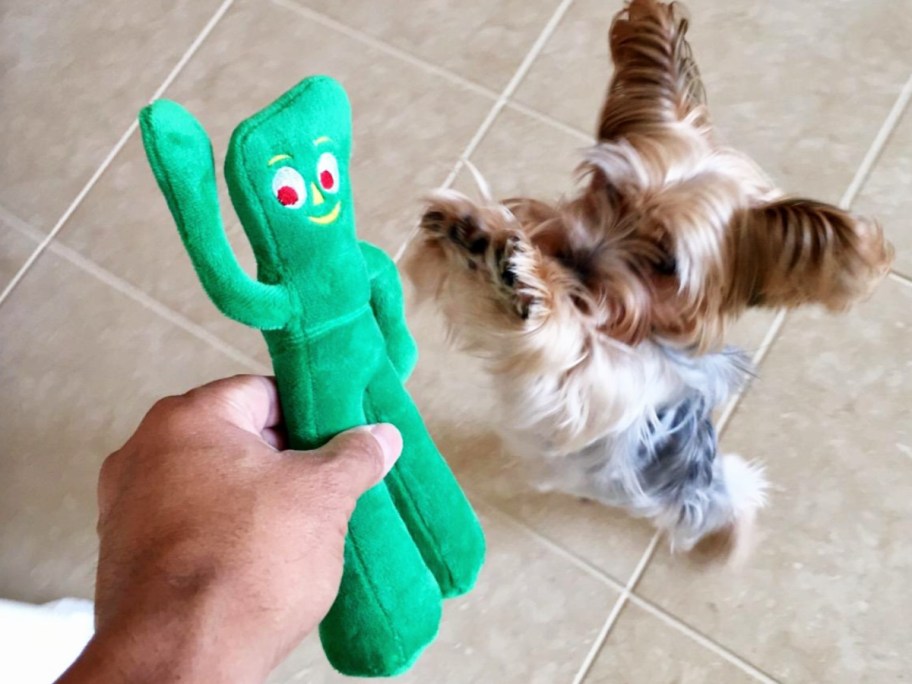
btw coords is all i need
(166, 407)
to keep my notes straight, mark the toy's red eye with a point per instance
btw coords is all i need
(288, 188)
(328, 172)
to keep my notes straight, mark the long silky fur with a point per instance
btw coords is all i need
(601, 316)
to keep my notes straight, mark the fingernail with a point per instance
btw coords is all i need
(390, 442)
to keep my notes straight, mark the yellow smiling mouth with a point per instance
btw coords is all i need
(326, 218)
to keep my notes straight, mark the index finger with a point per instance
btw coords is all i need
(249, 401)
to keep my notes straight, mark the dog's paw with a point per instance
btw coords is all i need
(487, 243)
(463, 229)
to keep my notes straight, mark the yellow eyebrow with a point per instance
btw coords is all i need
(278, 158)
(322, 139)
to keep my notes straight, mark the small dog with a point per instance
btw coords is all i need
(602, 316)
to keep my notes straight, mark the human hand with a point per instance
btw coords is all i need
(218, 551)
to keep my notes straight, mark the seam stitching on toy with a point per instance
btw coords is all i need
(374, 593)
(328, 326)
(401, 477)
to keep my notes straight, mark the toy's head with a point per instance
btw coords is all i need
(287, 172)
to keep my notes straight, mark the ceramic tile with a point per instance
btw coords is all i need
(400, 152)
(74, 75)
(802, 87)
(641, 648)
(886, 194)
(530, 619)
(79, 364)
(825, 597)
(15, 248)
(484, 42)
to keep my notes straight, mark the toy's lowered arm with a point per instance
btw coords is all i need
(388, 306)
(180, 154)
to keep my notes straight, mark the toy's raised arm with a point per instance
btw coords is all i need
(180, 154)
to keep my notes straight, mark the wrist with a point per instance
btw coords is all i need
(170, 640)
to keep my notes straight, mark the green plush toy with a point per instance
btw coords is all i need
(331, 310)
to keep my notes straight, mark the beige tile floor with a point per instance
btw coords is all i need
(100, 312)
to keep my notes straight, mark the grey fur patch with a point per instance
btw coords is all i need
(666, 467)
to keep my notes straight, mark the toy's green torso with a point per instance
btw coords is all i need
(353, 347)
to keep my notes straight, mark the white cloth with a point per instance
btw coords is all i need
(37, 643)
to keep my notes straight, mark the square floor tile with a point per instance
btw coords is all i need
(531, 619)
(642, 649)
(484, 41)
(886, 194)
(400, 151)
(74, 75)
(79, 365)
(825, 597)
(802, 87)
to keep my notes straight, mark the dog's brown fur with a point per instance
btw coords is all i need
(674, 235)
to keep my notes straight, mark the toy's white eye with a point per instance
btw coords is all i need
(328, 172)
(288, 188)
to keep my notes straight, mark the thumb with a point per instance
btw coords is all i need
(363, 456)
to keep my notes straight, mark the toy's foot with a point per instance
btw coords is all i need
(389, 605)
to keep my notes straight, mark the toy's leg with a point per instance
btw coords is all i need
(428, 497)
(388, 607)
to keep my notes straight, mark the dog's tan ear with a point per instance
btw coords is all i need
(656, 80)
(796, 251)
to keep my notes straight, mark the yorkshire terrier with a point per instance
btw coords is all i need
(602, 316)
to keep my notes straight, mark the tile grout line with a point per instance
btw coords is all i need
(385, 47)
(880, 140)
(615, 613)
(20, 226)
(109, 158)
(772, 334)
(547, 542)
(900, 278)
(501, 102)
(704, 641)
(573, 131)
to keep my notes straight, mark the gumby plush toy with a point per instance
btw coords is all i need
(331, 310)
